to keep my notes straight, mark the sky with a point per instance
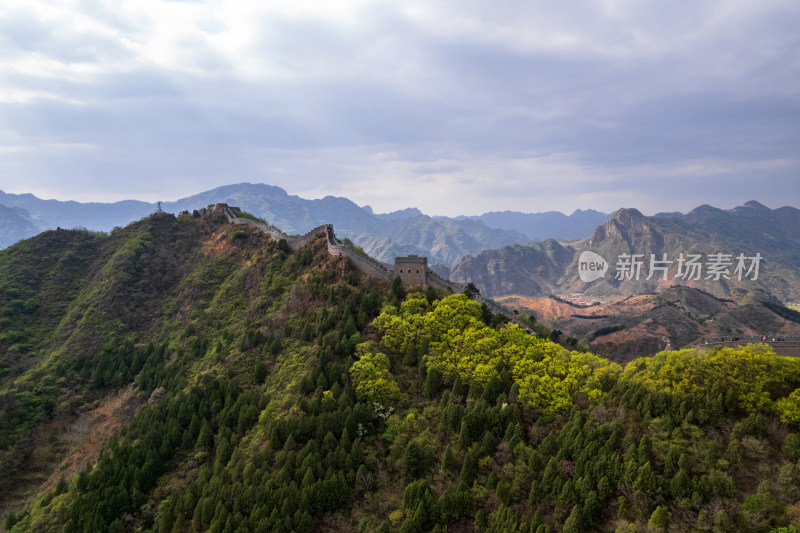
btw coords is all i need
(454, 107)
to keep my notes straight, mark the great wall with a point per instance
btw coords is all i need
(402, 268)
(408, 270)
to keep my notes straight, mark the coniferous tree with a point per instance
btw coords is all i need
(449, 464)
(573, 522)
(433, 383)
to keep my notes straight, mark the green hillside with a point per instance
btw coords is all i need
(183, 374)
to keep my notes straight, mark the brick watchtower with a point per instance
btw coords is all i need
(413, 270)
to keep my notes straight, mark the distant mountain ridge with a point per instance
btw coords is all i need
(548, 225)
(551, 267)
(15, 224)
(50, 214)
(384, 236)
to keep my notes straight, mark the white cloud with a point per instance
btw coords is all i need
(450, 106)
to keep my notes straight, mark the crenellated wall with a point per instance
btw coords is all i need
(362, 262)
(365, 263)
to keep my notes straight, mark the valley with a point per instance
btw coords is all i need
(678, 317)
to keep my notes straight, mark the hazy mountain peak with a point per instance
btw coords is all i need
(583, 212)
(409, 212)
(704, 211)
(14, 225)
(626, 215)
(756, 205)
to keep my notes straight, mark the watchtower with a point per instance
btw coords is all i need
(413, 269)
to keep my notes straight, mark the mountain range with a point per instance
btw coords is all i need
(552, 266)
(493, 250)
(547, 225)
(384, 236)
(192, 374)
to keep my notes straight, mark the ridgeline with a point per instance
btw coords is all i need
(188, 374)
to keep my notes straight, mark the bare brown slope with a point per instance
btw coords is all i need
(646, 324)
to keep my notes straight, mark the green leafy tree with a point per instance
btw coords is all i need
(660, 519)
(371, 377)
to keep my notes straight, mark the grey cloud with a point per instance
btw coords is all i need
(664, 90)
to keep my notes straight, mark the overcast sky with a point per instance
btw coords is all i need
(454, 107)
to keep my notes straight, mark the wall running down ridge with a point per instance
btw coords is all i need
(362, 262)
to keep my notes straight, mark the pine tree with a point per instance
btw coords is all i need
(205, 438)
(433, 383)
(11, 520)
(459, 390)
(464, 439)
(414, 461)
(481, 522)
(573, 522)
(592, 508)
(308, 479)
(469, 470)
(259, 373)
(449, 464)
(680, 485)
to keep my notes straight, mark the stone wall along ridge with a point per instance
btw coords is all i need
(362, 262)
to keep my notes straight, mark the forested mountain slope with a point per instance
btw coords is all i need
(270, 390)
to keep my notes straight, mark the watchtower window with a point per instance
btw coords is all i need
(417, 271)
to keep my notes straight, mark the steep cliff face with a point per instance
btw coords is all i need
(533, 269)
(629, 238)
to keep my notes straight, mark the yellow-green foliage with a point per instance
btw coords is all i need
(455, 342)
(550, 382)
(789, 407)
(459, 344)
(371, 377)
(753, 373)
